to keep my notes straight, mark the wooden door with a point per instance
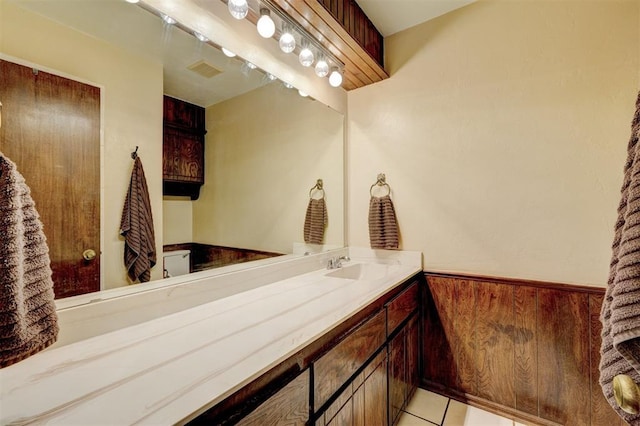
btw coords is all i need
(51, 130)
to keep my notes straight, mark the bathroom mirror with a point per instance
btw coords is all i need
(265, 146)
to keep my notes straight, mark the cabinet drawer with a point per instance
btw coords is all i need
(340, 363)
(401, 307)
(291, 402)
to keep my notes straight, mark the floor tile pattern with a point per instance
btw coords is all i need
(430, 409)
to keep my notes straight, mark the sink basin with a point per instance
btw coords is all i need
(363, 271)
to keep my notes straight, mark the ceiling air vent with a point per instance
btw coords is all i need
(204, 69)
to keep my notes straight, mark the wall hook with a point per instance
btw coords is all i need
(134, 154)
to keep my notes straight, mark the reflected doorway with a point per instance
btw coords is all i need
(51, 130)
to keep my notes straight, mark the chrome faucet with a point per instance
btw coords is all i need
(336, 262)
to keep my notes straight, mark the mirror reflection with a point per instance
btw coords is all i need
(265, 145)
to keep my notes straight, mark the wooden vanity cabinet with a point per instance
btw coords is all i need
(403, 333)
(361, 373)
(182, 148)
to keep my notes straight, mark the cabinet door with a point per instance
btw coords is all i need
(370, 399)
(343, 360)
(412, 356)
(397, 376)
(289, 406)
(183, 156)
(344, 417)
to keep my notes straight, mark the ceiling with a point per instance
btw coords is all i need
(391, 16)
(143, 34)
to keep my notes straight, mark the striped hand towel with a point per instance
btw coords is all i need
(136, 226)
(315, 221)
(383, 225)
(28, 319)
(620, 316)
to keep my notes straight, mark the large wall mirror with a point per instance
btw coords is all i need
(265, 148)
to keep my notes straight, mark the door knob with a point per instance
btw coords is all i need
(626, 393)
(89, 254)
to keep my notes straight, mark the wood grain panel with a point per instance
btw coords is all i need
(397, 376)
(526, 350)
(359, 406)
(344, 416)
(464, 343)
(413, 355)
(375, 394)
(370, 397)
(495, 335)
(371, 40)
(401, 307)
(552, 331)
(337, 405)
(289, 406)
(363, 56)
(563, 339)
(601, 411)
(337, 365)
(438, 359)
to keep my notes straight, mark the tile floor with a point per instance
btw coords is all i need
(429, 409)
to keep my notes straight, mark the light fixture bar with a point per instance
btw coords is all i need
(293, 25)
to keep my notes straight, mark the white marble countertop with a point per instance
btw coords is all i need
(161, 371)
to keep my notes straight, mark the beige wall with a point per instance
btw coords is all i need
(178, 220)
(503, 131)
(264, 151)
(131, 108)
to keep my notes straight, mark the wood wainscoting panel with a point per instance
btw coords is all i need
(600, 408)
(525, 349)
(495, 342)
(439, 366)
(465, 345)
(563, 354)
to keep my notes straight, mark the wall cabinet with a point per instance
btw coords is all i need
(182, 148)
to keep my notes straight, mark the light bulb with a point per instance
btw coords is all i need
(132, 1)
(228, 53)
(287, 85)
(271, 77)
(168, 19)
(335, 79)
(287, 42)
(238, 8)
(306, 57)
(251, 65)
(322, 68)
(303, 94)
(200, 37)
(266, 26)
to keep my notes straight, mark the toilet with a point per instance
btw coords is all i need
(175, 263)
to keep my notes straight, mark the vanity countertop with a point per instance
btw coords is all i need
(161, 371)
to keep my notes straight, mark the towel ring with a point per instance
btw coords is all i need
(318, 187)
(381, 181)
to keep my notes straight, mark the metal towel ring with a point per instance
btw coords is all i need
(318, 187)
(381, 181)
